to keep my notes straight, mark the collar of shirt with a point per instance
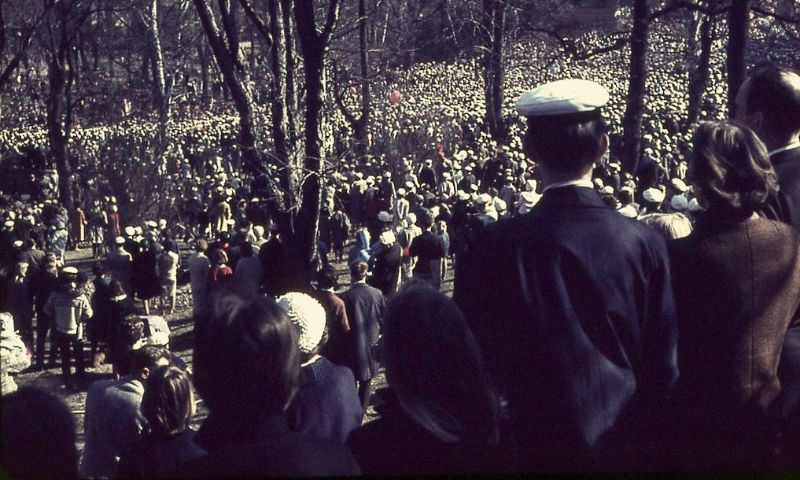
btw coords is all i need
(570, 183)
(791, 146)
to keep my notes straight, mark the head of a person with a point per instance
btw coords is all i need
(218, 257)
(246, 362)
(117, 290)
(730, 168)
(168, 402)
(98, 270)
(201, 245)
(309, 320)
(328, 278)
(146, 360)
(769, 103)
(38, 436)
(435, 367)
(358, 271)
(671, 226)
(566, 132)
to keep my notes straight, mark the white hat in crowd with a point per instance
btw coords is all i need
(653, 195)
(679, 202)
(562, 97)
(307, 316)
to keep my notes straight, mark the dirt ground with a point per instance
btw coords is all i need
(181, 327)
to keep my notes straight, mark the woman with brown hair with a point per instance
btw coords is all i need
(443, 417)
(737, 287)
(168, 405)
(247, 367)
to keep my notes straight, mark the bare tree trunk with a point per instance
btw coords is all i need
(632, 120)
(738, 23)
(161, 88)
(494, 16)
(698, 76)
(313, 47)
(361, 127)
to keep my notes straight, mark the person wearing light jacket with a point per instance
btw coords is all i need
(70, 310)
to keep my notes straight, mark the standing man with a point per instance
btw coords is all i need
(582, 339)
(769, 103)
(113, 419)
(428, 250)
(364, 306)
(70, 310)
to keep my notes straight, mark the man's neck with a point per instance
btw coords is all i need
(552, 179)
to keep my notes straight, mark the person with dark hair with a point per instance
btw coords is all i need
(247, 367)
(274, 263)
(443, 416)
(247, 275)
(38, 436)
(326, 404)
(99, 327)
(429, 250)
(167, 405)
(769, 103)
(144, 273)
(120, 306)
(580, 296)
(113, 420)
(44, 282)
(220, 274)
(199, 265)
(364, 306)
(386, 263)
(733, 315)
(335, 348)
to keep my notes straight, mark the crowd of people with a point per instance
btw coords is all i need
(601, 320)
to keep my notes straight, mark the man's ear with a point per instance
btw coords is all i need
(145, 373)
(601, 152)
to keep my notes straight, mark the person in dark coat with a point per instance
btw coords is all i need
(44, 282)
(365, 307)
(769, 103)
(335, 348)
(326, 405)
(144, 278)
(167, 405)
(733, 315)
(274, 262)
(99, 326)
(586, 302)
(385, 264)
(442, 416)
(247, 368)
(429, 250)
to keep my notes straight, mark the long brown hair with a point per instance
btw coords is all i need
(435, 367)
(730, 168)
(167, 401)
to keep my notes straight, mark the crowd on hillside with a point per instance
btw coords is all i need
(600, 321)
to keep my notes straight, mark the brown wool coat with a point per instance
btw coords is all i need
(737, 290)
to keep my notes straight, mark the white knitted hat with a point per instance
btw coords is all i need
(307, 316)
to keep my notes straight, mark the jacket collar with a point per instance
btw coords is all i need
(316, 372)
(570, 196)
(790, 153)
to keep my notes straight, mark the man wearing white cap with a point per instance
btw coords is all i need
(587, 305)
(120, 263)
(70, 310)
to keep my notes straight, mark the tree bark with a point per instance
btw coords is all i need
(361, 130)
(637, 80)
(313, 47)
(160, 88)
(738, 23)
(494, 16)
(699, 75)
